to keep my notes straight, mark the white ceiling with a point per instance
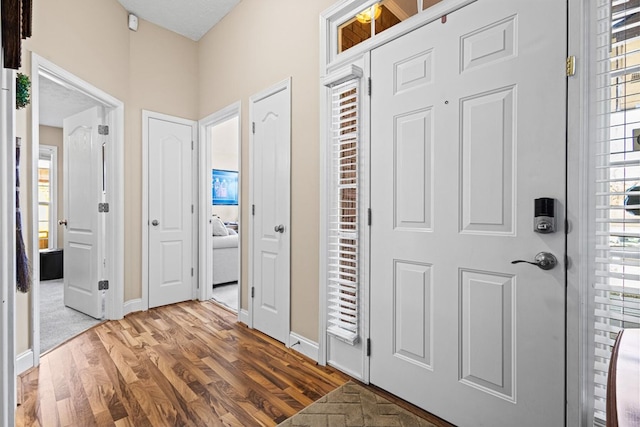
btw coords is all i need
(190, 18)
(58, 102)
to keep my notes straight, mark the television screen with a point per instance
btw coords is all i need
(224, 185)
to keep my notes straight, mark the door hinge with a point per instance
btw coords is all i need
(368, 346)
(191, 145)
(253, 209)
(191, 208)
(369, 216)
(103, 207)
(369, 86)
(253, 292)
(103, 285)
(253, 127)
(103, 130)
(191, 271)
(571, 66)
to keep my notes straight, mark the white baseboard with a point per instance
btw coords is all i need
(24, 361)
(133, 305)
(243, 316)
(306, 346)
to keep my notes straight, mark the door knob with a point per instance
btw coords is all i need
(155, 222)
(62, 222)
(279, 228)
(543, 260)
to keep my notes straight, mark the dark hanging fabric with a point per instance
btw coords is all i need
(17, 17)
(23, 268)
(11, 32)
(27, 12)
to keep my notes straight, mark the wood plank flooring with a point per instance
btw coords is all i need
(188, 364)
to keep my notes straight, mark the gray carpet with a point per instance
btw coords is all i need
(227, 295)
(57, 322)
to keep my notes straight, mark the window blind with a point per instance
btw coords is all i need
(343, 223)
(617, 179)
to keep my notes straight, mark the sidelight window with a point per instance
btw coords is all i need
(343, 256)
(617, 185)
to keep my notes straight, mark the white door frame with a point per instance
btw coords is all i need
(115, 181)
(146, 115)
(578, 354)
(205, 244)
(7, 246)
(283, 85)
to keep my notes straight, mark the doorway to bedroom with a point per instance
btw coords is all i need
(222, 204)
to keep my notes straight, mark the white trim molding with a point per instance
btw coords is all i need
(342, 11)
(115, 174)
(133, 305)
(7, 246)
(24, 361)
(243, 316)
(303, 346)
(580, 214)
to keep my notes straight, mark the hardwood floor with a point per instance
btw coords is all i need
(187, 364)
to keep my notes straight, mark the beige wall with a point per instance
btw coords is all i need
(258, 44)
(163, 72)
(53, 136)
(152, 69)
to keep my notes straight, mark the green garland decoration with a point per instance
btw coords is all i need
(23, 87)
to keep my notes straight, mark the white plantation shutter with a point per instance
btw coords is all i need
(343, 240)
(617, 180)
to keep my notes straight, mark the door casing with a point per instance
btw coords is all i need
(7, 246)
(205, 244)
(114, 234)
(580, 39)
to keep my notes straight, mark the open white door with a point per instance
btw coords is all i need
(83, 192)
(468, 128)
(271, 143)
(171, 210)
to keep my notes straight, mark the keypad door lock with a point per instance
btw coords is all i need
(544, 219)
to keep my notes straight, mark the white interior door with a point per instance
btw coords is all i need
(171, 211)
(83, 191)
(271, 203)
(468, 128)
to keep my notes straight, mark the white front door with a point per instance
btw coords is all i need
(468, 128)
(83, 191)
(171, 211)
(271, 115)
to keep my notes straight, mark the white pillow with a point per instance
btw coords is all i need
(219, 229)
(232, 232)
